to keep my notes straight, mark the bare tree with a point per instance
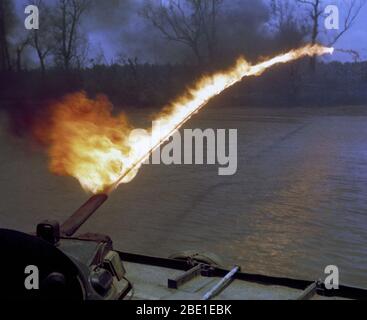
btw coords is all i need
(42, 39)
(208, 12)
(316, 8)
(290, 30)
(67, 30)
(190, 22)
(21, 45)
(352, 9)
(315, 12)
(81, 56)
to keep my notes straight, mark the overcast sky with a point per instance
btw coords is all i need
(356, 38)
(105, 30)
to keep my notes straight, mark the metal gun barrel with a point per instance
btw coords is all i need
(221, 284)
(72, 224)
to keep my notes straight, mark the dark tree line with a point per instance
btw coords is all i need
(210, 33)
(211, 30)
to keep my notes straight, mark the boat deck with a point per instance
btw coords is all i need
(151, 283)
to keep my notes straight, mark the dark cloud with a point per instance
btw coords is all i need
(110, 15)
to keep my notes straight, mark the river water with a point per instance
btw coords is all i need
(297, 203)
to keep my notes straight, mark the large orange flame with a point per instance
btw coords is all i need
(87, 142)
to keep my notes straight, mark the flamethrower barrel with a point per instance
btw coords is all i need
(72, 224)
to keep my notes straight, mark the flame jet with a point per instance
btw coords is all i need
(87, 142)
(181, 110)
